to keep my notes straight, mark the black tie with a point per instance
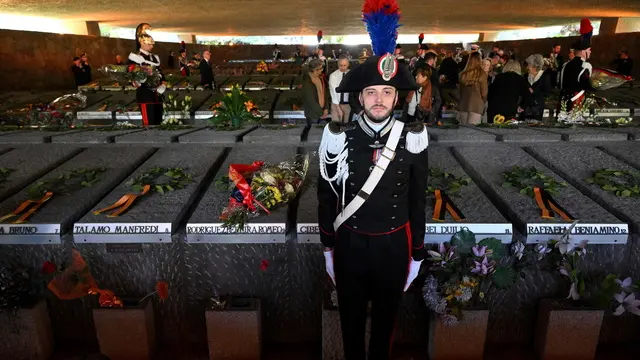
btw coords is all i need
(344, 96)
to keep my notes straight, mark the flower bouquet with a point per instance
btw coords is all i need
(133, 73)
(262, 67)
(463, 271)
(234, 110)
(602, 79)
(260, 187)
(58, 113)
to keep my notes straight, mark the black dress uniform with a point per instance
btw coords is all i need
(149, 99)
(574, 78)
(373, 249)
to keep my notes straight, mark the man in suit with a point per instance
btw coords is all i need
(206, 72)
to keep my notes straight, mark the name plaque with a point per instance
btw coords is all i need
(308, 233)
(436, 233)
(594, 233)
(612, 112)
(251, 233)
(288, 114)
(27, 234)
(122, 233)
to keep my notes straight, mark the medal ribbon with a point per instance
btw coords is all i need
(124, 203)
(548, 206)
(443, 200)
(36, 205)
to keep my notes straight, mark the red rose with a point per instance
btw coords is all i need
(48, 268)
(132, 67)
(264, 265)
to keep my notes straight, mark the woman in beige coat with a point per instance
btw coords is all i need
(474, 88)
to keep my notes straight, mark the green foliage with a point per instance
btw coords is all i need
(622, 183)
(525, 179)
(232, 113)
(444, 181)
(464, 240)
(496, 247)
(503, 277)
(161, 180)
(66, 183)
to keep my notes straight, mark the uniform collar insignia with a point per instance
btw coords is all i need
(362, 122)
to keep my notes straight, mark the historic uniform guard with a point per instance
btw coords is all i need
(149, 99)
(575, 74)
(371, 197)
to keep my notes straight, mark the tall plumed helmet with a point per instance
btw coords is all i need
(420, 38)
(381, 18)
(142, 36)
(586, 32)
(319, 36)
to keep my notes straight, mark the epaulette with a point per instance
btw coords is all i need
(417, 138)
(337, 127)
(334, 138)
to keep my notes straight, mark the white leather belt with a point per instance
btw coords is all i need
(387, 155)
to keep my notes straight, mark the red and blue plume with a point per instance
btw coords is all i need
(382, 19)
(586, 29)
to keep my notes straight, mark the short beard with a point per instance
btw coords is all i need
(378, 119)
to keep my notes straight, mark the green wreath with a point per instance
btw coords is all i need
(623, 183)
(161, 180)
(525, 179)
(444, 181)
(66, 183)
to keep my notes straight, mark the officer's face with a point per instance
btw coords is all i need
(378, 101)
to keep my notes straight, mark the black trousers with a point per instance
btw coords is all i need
(151, 113)
(375, 268)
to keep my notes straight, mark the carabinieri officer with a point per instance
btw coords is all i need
(149, 99)
(371, 211)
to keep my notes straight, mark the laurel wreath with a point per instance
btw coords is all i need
(66, 183)
(623, 183)
(162, 180)
(525, 179)
(444, 181)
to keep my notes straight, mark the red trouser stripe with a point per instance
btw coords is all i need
(145, 118)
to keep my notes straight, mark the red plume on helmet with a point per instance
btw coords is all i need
(319, 36)
(420, 38)
(586, 31)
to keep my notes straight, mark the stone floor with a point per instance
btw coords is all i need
(401, 352)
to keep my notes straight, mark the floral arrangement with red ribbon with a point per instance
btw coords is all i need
(133, 73)
(260, 187)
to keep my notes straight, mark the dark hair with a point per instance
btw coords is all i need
(424, 71)
(554, 45)
(75, 58)
(430, 56)
(183, 51)
(624, 51)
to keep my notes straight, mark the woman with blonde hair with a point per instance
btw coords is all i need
(473, 91)
(507, 92)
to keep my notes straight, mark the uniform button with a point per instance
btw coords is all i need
(401, 147)
(350, 149)
(398, 184)
(352, 161)
(395, 206)
(351, 173)
(352, 184)
(395, 195)
(399, 172)
(401, 159)
(350, 138)
(393, 228)
(355, 227)
(393, 218)
(353, 216)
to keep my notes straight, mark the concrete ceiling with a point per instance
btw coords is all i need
(333, 17)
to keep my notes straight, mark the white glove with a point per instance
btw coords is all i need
(328, 262)
(414, 268)
(161, 89)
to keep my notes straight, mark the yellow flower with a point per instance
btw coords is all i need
(276, 193)
(498, 119)
(481, 295)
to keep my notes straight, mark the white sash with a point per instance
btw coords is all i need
(388, 154)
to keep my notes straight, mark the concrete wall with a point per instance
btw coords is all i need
(39, 61)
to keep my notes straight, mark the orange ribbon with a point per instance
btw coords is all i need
(548, 205)
(123, 204)
(36, 205)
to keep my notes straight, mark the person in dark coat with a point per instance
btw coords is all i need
(371, 205)
(623, 63)
(449, 84)
(540, 82)
(79, 72)
(507, 92)
(206, 72)
(315, 97)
